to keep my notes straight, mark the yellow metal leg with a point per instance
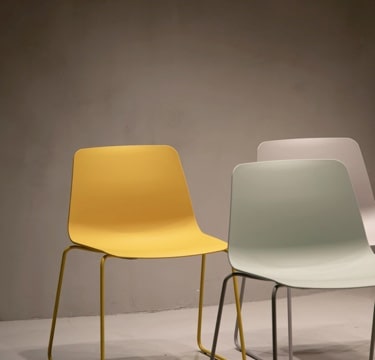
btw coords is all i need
(200, 314)
(102, 310)
(200, 310)
(57, 300)
(102, 305)
(239, 317)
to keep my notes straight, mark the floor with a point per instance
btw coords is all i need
(327, 326)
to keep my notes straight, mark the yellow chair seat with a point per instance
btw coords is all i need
(150, 242)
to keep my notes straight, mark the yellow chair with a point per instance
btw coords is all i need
(132, 202)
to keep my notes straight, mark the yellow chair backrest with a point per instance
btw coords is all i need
(125, 187)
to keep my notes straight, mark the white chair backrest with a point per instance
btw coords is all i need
(345, 150)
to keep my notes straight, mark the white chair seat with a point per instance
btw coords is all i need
(368, 216)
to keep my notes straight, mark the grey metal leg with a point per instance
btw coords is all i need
(290, 328)
(219, 315)
(242, 292)
(274, 322)
(220, 311)
(290, 331)
(238, 346)
(371, 357)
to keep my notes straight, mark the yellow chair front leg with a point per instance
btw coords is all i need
(57, 299)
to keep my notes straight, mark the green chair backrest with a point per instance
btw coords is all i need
(293, 212)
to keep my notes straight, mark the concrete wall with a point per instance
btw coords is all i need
(213, 78)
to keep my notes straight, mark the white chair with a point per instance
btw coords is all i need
(345, 150)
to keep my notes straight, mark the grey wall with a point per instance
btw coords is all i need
(212, 78)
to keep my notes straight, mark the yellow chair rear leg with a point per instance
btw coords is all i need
(200, 307)
(200, 313)
(57, 299)
(239, 317)
(102, 309)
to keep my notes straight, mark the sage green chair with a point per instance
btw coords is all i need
(344, 149)
(296, 223)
